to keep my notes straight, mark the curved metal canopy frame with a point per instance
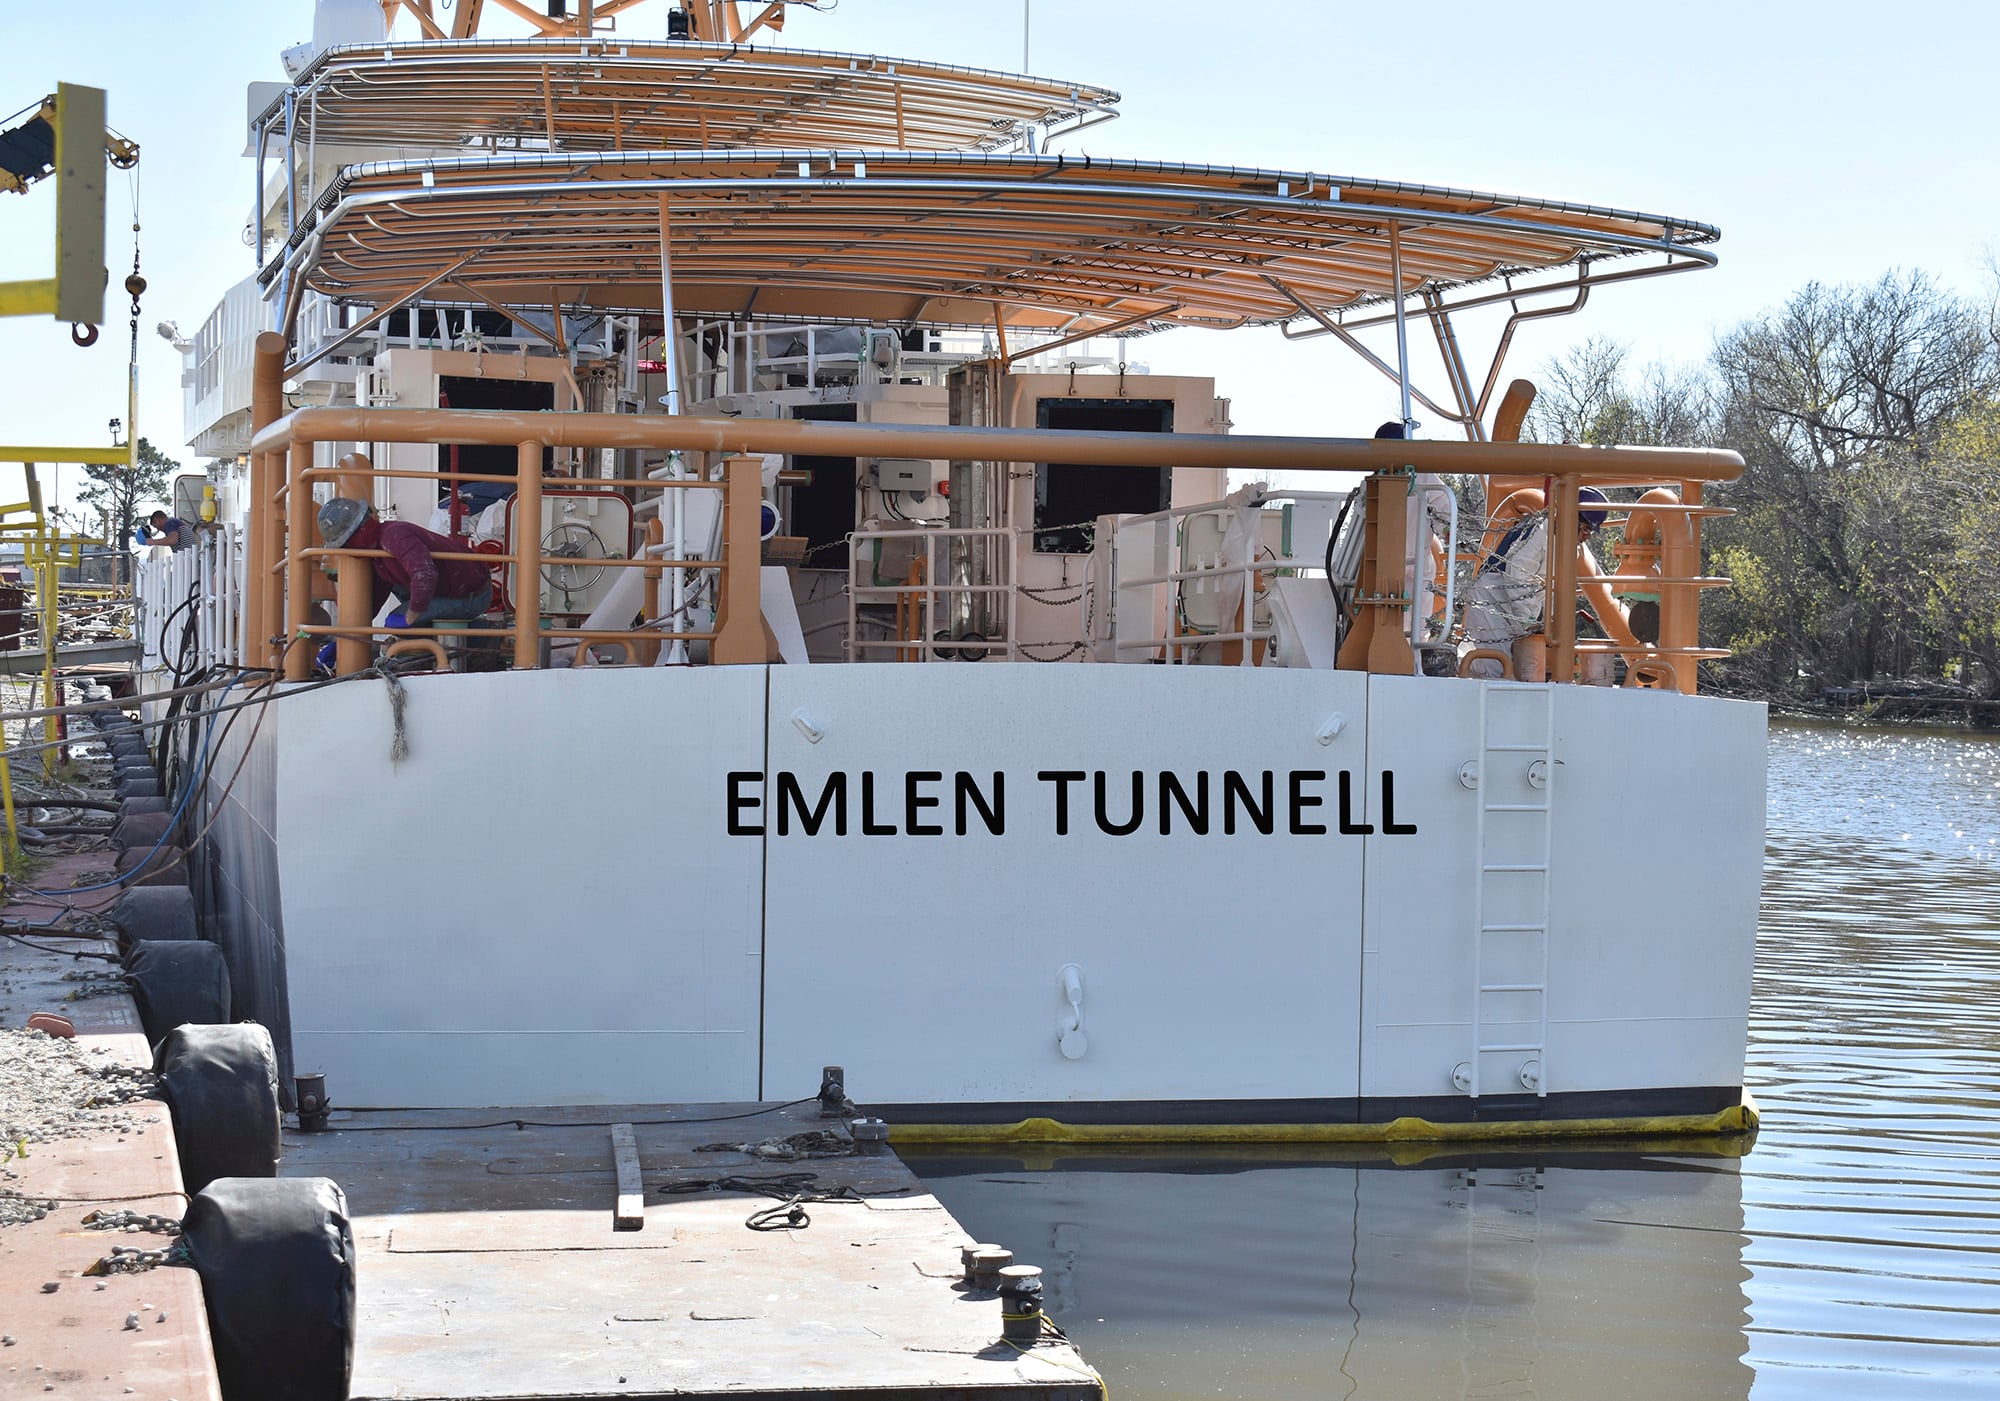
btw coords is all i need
(1041, 243)
(612, 94)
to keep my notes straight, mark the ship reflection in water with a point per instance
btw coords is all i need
(1854, 1252)
(1227, 1275)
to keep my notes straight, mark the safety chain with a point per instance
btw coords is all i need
(129, 1260)
(1070, 651)
(126, 1220)
(1035, 596)
(90, 983)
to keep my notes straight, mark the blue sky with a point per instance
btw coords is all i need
(1829, 141)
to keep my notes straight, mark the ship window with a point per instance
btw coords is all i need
(443, 326)
(1069, 497)
(823, 511)
(474, 392)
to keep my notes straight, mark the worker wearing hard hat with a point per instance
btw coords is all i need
(432, 590)
(1507, 595)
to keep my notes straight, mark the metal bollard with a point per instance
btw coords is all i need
(983, 1264)
(313, 1106)
(869, 1134)
(1021, 1303)
(833, 1101)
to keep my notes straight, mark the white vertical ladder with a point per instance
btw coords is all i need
(1516, 785)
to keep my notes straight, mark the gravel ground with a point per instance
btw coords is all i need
(52, 1088)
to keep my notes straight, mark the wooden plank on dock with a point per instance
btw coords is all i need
(630, 1214)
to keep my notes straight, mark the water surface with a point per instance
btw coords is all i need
(1854, 1252)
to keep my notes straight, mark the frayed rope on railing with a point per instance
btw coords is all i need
(399, 699)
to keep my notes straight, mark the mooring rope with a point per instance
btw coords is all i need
(399, 698)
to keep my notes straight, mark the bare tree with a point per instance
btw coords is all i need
(1868, 418)
(1581, 390)
(1838, 402)
(1587, 396)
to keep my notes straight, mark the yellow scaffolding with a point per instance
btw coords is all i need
(45, 549)
(82, 148)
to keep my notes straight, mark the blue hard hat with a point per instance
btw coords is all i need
(340, 518)
(1590, 495)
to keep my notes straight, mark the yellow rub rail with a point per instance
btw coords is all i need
(1736, 1119)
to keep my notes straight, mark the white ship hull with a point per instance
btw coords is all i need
(544, 902)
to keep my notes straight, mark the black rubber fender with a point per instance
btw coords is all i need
(164, 865)
(276, 1260)
(162, 913)
(141, 830)
(176, 981)
(143, 785)
(134, 807)
(221, 1082)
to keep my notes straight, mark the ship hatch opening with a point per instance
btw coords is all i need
(823, 510)
(471, 392)
(1069, 498)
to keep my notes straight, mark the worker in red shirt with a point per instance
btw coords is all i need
(431, 589)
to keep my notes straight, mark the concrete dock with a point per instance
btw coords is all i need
(491, 1264)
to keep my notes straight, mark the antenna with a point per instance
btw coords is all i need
(1025, 6)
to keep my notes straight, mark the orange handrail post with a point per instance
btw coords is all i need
(1376, 642)
(909, 614)
(354, 583)
(649, 590)
(528, 555)
(1353, 654)
(301, 534)
(354, 607)
(739, 622)
(258, 558)
(267, 403)
(1680, 604)
(1559, 617)
(1389, 652)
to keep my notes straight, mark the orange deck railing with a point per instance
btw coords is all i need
(282, 542)
(283, 549)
